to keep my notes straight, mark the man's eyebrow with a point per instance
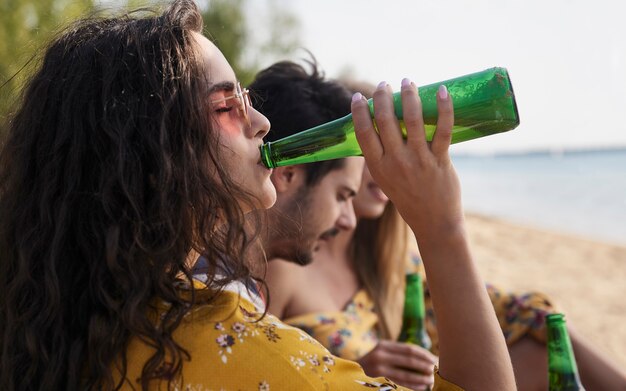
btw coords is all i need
(222, 86)
(350, 190)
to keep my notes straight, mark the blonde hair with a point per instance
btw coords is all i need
(380, 251)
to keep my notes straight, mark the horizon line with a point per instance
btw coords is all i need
(556, 151)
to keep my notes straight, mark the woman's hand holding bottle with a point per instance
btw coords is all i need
(416, 175)
(420, 180)
(408, 365)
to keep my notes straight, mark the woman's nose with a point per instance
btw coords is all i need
(347, 219)
(259, 124)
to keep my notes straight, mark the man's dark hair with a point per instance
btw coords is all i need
(294, 100)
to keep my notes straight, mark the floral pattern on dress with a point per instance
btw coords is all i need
(387, 386)
(239, 331)
(312, 361)
(349, 333)
(233, 347)
(270, 332)
(263, 386)
(225, 342)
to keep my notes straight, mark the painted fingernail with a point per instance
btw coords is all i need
(443, 92)
(406, 82)
(382, 84)
(357, 97)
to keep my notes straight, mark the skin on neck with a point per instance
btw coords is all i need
(338, 277)
(278, 238)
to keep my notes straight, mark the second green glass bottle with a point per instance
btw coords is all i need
(562, 369)
(413, 328)
(484, 104)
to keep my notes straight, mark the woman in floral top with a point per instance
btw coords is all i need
(135, 151)
(365, 329)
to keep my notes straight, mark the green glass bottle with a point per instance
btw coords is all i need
(562, 370)
(484, 104)
(413, 319)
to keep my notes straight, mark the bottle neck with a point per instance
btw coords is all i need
(330, 140)
(414, 298)
(563, 372)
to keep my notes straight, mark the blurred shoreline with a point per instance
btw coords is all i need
(558, 152)
(581, 192)
(586, 279)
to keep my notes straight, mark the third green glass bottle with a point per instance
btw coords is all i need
(484, 104)
(414, 314)
(562, 369)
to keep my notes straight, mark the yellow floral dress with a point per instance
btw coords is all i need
(351, 333)
(231, 348)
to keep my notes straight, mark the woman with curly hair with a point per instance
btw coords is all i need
(133, 152)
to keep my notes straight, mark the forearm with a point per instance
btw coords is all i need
(473, 351)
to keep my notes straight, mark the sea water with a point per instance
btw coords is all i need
(578, 192)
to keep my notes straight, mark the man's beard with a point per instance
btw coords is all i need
(292, 241)
(292, 248)
(303, 257)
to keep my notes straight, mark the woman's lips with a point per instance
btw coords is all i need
(260, 163)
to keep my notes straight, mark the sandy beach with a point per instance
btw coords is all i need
(586, 279)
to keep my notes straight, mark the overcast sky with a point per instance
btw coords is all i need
(566, 58)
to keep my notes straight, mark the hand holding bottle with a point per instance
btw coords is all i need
(417, 176)
(408, 365)
(484, 105)
(420, 180)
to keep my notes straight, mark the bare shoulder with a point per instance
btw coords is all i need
(284, 280)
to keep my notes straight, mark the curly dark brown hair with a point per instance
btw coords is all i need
(109, 178)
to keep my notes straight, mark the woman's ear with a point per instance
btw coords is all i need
(287, 178)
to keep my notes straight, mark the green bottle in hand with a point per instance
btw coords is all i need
(562, 370)
(484, 104)
(413, 320)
